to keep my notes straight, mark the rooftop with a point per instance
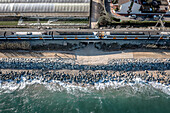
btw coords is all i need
(71, 8)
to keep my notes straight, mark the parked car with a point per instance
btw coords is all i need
(156, 17)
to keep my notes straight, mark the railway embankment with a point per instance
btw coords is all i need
(71, 45)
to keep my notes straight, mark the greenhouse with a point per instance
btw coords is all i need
(44, 1)
(76, 8)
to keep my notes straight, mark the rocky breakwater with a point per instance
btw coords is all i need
(71, 64)
(85, 78)
(119, 70)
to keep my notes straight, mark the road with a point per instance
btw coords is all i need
(109, 10)
(94, 13)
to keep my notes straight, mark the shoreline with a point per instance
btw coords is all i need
(93, 80)
(13, 69)
(86, 67)
(66, 74)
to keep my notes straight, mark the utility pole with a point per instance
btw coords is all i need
(38, 22)
(161, 22)
(162, 26)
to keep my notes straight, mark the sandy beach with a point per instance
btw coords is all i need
(88, 55)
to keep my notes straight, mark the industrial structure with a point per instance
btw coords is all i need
(45, 8)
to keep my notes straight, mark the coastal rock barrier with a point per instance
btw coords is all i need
(49, 69)
(84, 78)
(71, 64)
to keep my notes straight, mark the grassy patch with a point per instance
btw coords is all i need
(73, 22)
(34, 21)
(15, 23)
(3, 23)
(133, 22)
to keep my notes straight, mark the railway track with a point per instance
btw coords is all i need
(84, 36)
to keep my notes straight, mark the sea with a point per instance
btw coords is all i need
(56, 97)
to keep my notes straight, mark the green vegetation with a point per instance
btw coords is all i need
(34, 21)
(15, 23)
(142, 23)
(115, 19)
(3, 23)
(72, 22)
(107, 20)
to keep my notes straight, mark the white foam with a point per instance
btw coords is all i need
(56, 85)
(10, 86)
(162, 87)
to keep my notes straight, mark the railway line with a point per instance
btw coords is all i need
(84, 36)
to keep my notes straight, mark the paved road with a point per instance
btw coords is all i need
(109, 10)
(94, 13)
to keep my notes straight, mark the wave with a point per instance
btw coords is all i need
(55, 85)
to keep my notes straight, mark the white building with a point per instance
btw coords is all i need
(45, 8)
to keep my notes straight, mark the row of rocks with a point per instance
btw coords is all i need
(84, 78)
(57, 64)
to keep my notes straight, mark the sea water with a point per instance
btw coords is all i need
(57, 97)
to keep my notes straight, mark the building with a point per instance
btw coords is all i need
(168, 12)
(126, 8)
(155, 6)
(141, 7)
(45, 8)
(164, 7)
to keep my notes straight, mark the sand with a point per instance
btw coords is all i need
(88, 55)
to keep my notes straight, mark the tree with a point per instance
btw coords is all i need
(105, 20)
